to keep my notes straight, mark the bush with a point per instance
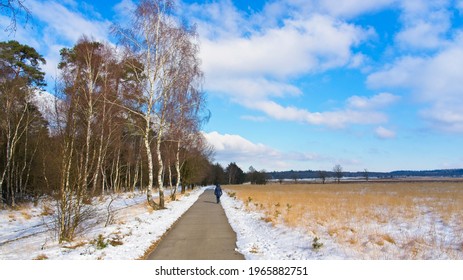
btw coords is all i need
(100, 242)
(41, 257)
(316, 244)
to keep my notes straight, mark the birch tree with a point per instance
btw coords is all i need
(157, 44)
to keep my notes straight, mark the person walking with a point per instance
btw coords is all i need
(218, 192)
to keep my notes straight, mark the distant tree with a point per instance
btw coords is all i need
(337, 169)
(196, 168)
(234, 174)
(217, 175)
(262, 177)
(322, 175)
(295, 176)
(257, 177)
(366, 174)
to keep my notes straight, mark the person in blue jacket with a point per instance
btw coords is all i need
(218, 192)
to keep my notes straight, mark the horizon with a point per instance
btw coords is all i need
(305, 85)
(370, 171)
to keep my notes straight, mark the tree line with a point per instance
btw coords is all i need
(123, 118)
(233, 174)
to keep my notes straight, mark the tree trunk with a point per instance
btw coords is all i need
(177, 169)
(149, 189)
(161, 168)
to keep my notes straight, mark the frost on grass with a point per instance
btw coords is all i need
(258, 239)
(411, 221)
(132, 230)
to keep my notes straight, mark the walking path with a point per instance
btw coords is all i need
(202, 233)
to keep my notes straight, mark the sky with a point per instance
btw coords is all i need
(305, 84)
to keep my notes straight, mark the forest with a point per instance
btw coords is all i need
(122, 117)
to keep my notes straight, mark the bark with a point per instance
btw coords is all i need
(177, 169)
(160, 169)
(149, 188)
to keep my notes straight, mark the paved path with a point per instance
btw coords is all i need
(202, 233)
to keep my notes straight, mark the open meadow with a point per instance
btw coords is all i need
(367, 220)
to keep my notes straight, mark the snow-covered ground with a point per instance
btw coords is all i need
(261, 240)
(28, 233)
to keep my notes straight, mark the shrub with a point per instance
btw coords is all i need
(316, 244)
(100, 242)
(41, 257)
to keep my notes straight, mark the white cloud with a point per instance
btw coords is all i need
(66, 24)
(434, 80)
(255, 67)
(236, 144)
(216, 19)
(333, 119)
(425, 24)
(384, 133)
(124, 11)
(241, 89)
(315, 44)
(423, 35)
(378, 101)
(234, 148)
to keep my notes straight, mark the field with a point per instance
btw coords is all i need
(380, 220)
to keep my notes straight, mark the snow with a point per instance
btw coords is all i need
(427, 237)
(28, 233)
(260, 240)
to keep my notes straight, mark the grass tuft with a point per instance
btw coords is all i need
(41, 257)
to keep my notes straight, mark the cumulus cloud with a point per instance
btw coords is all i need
(333, 119)
(239, 146)
(234, 148)
(425, 24)
(253, 67)
(378, 101)
(423, 35)
(314, 44)
(434, 80)
(68, 24)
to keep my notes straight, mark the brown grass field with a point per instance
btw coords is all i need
(374, 220)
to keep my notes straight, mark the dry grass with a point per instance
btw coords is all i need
(47, 210)
(26, 215)
(41, 257)
(367, 214)
(75, 245)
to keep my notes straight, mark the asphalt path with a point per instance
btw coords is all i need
(202, 233)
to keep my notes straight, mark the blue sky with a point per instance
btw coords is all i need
(302, 84)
